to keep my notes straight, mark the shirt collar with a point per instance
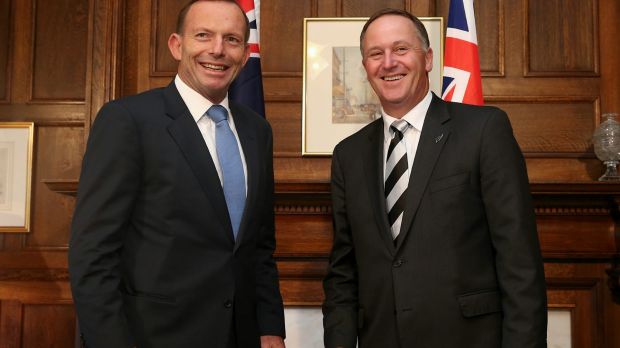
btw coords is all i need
(415, 117)
(195, 102)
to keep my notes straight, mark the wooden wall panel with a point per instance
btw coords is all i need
(285, 119)
(312, 238)
(282, 35)
(579, 287)
(579, 234)
(48, 325)
(5, 29)
(10, 324)
(60, 50)
(580, 300)
(490, 19)
(559, 41)
(356, 8)
(60, 155)
(35, 314)
(558, 126)
(164, 22)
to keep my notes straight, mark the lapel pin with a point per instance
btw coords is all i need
(437, 139)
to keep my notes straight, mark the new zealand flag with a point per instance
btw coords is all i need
(461, 72)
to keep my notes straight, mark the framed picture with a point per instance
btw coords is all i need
(337, 98)
(16, 142)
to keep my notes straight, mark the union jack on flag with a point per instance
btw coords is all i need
(247, 88)
(461, 72)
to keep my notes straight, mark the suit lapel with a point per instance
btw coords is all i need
(435, 133)
(247, 138)
(373, 165)
(187, 136)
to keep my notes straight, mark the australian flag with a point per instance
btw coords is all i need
(247, 88)
(461, 72)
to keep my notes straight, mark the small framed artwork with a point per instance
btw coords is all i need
(16, 143)
(337, 98)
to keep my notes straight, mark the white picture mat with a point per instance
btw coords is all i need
(15, 176)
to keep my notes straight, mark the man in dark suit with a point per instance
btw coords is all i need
(173, 235)
(435, 242)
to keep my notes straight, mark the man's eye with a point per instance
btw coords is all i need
(233, 40)
(401, 50)
(202, 35)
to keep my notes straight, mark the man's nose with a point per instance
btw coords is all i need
(388, 60)
(217, 47)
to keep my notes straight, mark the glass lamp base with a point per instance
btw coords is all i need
(611, 173)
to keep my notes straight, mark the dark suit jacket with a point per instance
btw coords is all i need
(467, 271)
(152, 257)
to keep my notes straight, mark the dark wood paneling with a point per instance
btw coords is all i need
(51, 325)
(581, 234)
(490, 33)
(5, 29)
(282, 35)
(609, 15)
(10, 323)
(357, 8)
(313, 238)
(164, 22)
(285, 119)
(60, 50)
(558, 126)
(490, 30)
(282, 88)
(329, 8)
(579, 288)
(302, 292)
(60, 156)
(292, 168)
(562, 37)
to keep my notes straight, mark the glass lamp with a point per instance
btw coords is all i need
(606, 141)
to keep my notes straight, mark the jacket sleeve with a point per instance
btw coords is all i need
(340, 284)
(270, 309)
(512, 223)
(107, 190)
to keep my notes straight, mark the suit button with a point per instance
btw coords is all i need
(228, 304)
(398, 263)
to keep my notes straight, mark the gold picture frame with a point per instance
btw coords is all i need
(337, 99)
(16, 147)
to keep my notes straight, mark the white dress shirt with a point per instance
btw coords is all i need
(415, 117)
(198, 106)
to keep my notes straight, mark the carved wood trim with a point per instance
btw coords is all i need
(22, 274)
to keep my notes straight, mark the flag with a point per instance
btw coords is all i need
(247, 88)
(461, 72)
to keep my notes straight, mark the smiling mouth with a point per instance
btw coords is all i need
(392, 78)
(213, 67)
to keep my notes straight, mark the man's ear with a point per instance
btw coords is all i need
(247, 54)
(428, 60)
(174, 45)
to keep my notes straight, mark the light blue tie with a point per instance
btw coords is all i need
(230, 164)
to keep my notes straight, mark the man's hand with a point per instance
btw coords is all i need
(271, 342)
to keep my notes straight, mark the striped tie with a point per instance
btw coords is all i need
(396, 179)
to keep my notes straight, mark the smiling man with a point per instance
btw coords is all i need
(173, 233)
(435, 241)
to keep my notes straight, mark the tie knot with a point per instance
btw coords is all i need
(400, 126)
(217, 113)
